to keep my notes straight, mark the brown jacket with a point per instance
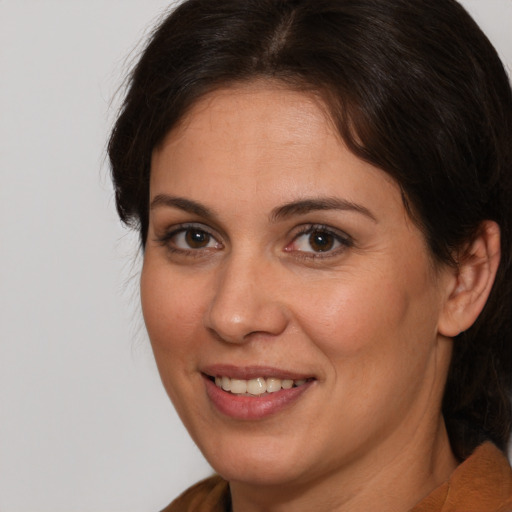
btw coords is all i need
(482, 483)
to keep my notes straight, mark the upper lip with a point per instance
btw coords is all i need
(252, 372)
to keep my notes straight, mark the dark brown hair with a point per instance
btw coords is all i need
(413, 86)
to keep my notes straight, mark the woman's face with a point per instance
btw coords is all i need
(277, 258)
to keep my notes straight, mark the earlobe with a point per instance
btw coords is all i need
(473, 280)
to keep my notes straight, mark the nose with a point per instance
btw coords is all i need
(246, 302)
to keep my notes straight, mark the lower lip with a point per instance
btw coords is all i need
(242, 407)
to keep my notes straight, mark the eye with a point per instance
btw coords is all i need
(193, 238)
(189, 238)
(319, 239)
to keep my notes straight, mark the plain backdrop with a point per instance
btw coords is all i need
(84, 422)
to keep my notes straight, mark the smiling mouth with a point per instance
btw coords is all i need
(256, 387)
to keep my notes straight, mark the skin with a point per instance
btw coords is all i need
(365, 318)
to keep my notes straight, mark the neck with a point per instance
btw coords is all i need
(395, 480)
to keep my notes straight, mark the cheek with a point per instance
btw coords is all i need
(376, 343)
(375, 331)
(172, 310)
(348, 317)
(173, 318)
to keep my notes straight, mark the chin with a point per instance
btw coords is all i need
(260, 462)
(258, 473)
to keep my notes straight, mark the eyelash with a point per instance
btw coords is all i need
(167, 240)
(340, 238)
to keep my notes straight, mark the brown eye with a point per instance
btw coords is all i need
(320, 241)
(190, 238)
(196, 238)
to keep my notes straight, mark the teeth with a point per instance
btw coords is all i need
(225, 383)
(257, 386)
(273, 385)
(287, 384)
(238, 387)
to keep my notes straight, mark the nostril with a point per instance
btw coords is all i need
(216, 335)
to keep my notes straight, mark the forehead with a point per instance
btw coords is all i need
(256, 126)
(253, 148)
(247, 103)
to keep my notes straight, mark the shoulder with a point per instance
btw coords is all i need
(210, 495)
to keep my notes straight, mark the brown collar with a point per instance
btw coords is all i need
(482, 483)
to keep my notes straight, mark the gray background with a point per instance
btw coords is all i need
(84, 422)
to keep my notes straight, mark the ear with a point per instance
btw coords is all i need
(472, 281)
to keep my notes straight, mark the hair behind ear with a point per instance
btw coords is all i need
(477, 404)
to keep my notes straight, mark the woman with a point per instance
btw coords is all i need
(322, 192)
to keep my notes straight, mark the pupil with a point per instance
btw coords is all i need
(321, 242)
(196, 238)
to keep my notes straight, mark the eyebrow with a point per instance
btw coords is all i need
(305, 206)
(187, 205)
(301, 207)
